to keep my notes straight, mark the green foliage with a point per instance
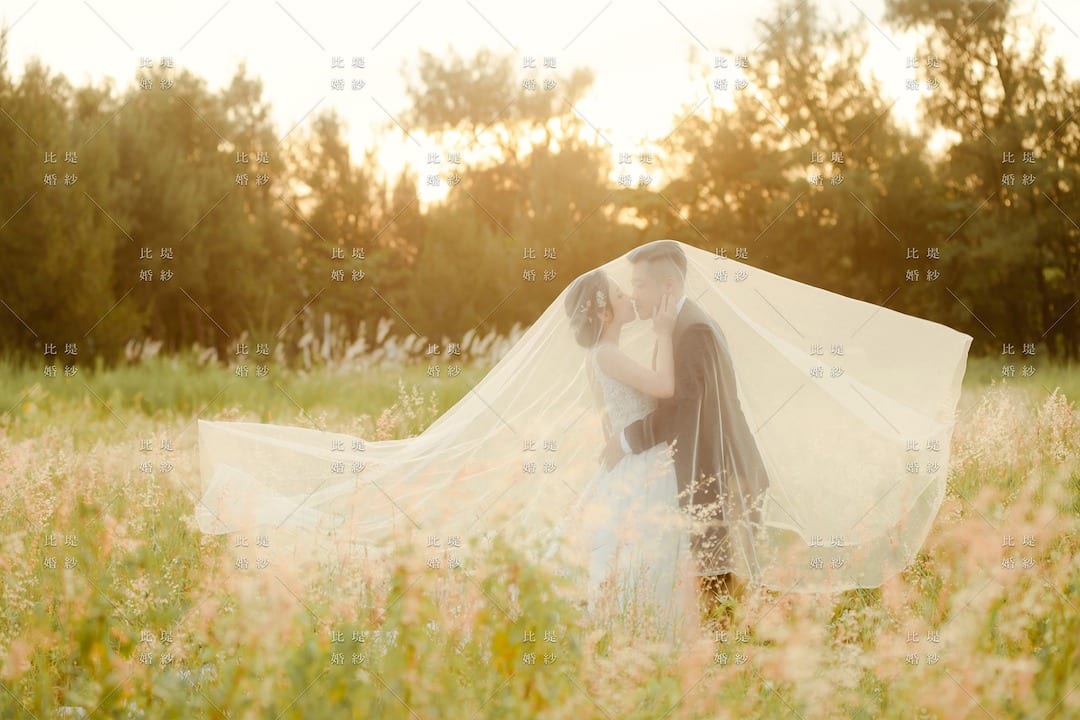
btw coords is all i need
(158, 169)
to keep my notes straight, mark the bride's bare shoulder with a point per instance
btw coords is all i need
(607, 350)
(611, 358)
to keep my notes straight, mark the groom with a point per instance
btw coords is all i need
(716, 457)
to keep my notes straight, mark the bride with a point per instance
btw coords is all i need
(851, 407)
(634, 540)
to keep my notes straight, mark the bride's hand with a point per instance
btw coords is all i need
(664, 317)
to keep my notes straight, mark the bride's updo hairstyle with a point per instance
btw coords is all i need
(585, 305)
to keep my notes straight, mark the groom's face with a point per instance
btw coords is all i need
(646, 290)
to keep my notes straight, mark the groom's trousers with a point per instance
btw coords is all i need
(723, 584)
(712, 588)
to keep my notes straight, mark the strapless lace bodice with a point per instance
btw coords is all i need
(624, 404)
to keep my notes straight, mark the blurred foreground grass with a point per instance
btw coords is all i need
(114, 604)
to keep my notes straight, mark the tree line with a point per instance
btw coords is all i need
(167, 210)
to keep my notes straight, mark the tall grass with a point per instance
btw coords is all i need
(173, 390)
(114, 605)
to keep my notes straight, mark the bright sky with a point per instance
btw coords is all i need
(654, 60)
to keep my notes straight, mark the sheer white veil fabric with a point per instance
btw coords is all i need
(852, 406)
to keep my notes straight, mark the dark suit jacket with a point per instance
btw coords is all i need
(720, 474)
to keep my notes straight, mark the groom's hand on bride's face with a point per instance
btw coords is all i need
(613, 452)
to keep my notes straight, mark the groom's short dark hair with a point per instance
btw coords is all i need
(660, 250)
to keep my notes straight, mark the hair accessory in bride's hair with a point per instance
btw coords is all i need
(587, 295)
(585, 307)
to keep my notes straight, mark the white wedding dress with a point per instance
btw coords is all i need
(629, 520)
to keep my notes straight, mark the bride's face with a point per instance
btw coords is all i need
(622, 306)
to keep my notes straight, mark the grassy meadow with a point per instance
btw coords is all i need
(115, 605)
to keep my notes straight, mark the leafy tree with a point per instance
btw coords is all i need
(1016, 221)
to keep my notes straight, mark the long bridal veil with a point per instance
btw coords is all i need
(852, 406)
